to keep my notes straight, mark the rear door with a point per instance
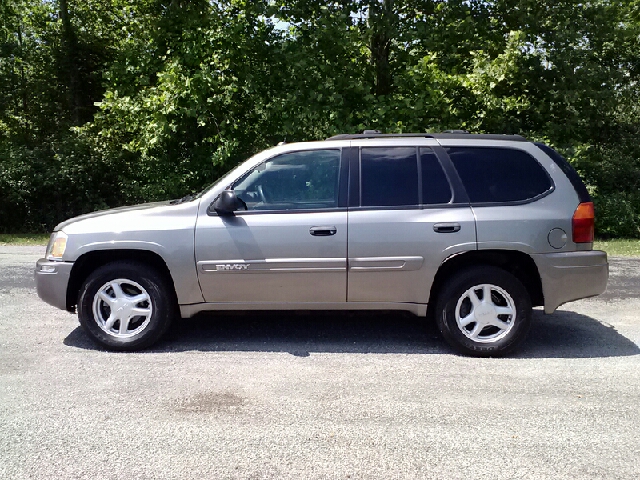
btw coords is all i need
(406, 216)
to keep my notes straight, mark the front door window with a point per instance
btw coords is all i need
(305, 180)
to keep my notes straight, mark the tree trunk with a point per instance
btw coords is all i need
(70, 63)
(23, 82)
(381, 24)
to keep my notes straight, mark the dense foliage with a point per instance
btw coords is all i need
(111, 102)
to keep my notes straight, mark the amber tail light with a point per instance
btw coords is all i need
(583, 223)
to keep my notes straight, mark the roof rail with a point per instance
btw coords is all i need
(348, 136)
(447, 134)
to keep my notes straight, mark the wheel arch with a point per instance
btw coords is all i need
(90, 261)
(519, 264)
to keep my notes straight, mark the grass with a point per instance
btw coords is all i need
(619, 247)
(23, 239)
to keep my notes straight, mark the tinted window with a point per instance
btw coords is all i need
(389, 176)
(499, 174)
(298, 180)
(435, 187)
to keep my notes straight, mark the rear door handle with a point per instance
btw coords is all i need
(323, 231)
(446, 227)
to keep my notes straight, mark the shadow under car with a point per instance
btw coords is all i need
(564, 334)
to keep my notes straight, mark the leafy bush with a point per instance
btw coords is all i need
(42, 186)
(618, 215)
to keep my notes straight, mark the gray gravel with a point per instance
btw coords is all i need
(318, 395)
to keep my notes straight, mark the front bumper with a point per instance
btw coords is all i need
(52, 279)
(571, 276)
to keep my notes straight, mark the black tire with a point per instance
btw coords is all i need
(134, 280)
(478, 338)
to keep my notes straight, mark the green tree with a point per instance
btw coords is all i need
(107, 102)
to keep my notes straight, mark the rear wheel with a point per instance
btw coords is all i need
(125, 305)
(484, 311)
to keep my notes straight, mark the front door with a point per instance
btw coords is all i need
(290, 245)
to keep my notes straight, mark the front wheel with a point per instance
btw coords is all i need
(125, 305)
(484, 311)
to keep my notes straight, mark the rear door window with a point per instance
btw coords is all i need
(499, 175)
(388, 176)
(435, 187)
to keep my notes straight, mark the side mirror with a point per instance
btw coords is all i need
(227, 203)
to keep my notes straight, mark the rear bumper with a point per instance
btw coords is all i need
(52, 279)
(571, 276)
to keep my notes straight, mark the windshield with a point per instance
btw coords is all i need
(233, 172)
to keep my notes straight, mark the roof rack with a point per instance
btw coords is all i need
(447, 134)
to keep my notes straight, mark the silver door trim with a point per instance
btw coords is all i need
(273, 265)
(369, 264)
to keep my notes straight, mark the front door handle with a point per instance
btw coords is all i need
(323, 231)
(446, 227)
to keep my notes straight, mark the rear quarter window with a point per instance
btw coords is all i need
(499, 175)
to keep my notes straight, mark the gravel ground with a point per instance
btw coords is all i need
(318, 395)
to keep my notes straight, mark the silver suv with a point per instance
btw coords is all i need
(473, 230)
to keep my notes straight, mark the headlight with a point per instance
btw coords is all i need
(57, 246)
